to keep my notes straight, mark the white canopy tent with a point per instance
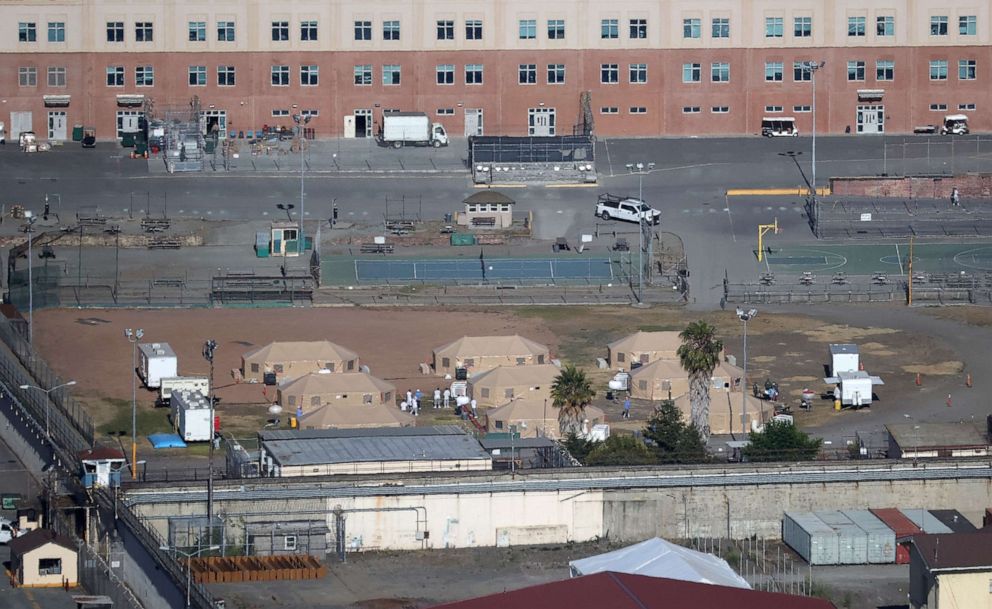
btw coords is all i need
(659, 558)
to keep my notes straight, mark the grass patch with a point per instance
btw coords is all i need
(149, 419)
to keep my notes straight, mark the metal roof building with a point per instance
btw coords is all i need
(321, 452)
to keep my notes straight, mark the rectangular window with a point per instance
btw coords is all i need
(720, 72)
(363, 75)
(445, 112)
(391, 75)
(773, 71)
(638, 110)
(56, 31)
(197, 76)
(308, 31)
(638, 73)
(289, 541)
(609, 29)
(885, 25)
(526, 74)
(774, 27)
(720, 109)
(144, 76)
(445, 30)
(556, 73)
(27, 76)
(856, 26)
(692, 28)
(609, 110)
(967, 69)
(690, 109)
(390, 30)
(691, 72)
(280, 76)
(721, 28)
(144, 31)
(309, 75)
(197, 31)
(966, 106)
(56, 77)
(225, 76)
(802, 109)
(885, 69)
(938, 69)
(363, 30)
(473, 29)
(445, 74)
(802, 27)
(938, 107)
(115, 31)
(225, 31)
(556, 29)
(968, 25)
(473, 74)
(801, 72)
(938, 26)
(609, 73)
(638, 29)
(115, 76)
(855, 70)
(280, 31)
(527, 29)
(773, 109)
(27, 32)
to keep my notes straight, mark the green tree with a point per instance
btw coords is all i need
(571, 392)
(578, 447)
(621, 450)
(674, 441)
(782, 441)
(699, 354)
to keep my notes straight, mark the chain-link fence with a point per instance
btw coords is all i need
(881, 218)
(936, 155)
(99, 578)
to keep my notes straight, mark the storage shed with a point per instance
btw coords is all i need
(852, 541)
(504, 383)
(155, 362)
(643, 348)
(928, 440)
(355, 389)
(44, 559)
(881, 539)
(480, 353)
(290, 359)
(902, 528)
(811, 538)
(487, 209)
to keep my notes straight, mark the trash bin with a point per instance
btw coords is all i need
(127, 139)
(209, 146)
(462, 239)
(77, 133)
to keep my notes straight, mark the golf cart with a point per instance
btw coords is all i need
(782, 126)
(89, 137)
(955, 124)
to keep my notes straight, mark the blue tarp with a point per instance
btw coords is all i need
(166, 440)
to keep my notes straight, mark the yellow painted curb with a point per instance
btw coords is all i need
(752, 192)
(593, 185)
(500, 186)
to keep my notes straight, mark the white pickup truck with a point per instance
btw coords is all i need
(613, 207)
(8, 531)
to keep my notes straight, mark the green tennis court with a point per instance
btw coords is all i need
(865, 259)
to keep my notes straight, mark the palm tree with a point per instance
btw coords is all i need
(571, 392)
(699, 354)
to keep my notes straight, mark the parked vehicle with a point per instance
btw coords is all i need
(782, 126)
(89, 137)
(401, 128)
(8, 531)
(3, 133)
(614, 207)
(955, 124)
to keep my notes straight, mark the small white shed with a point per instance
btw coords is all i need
(155, 362)
(844, 358)
(854, 388)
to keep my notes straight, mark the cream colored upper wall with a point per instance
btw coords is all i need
(962, 591)
(86, 23)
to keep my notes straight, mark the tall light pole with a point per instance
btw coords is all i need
(638, 168)
(301, 121)
(133, 336)
(48, 400)
(189, 557)
(29, 229)
(745, 316)
(812, 67)
(208, 354)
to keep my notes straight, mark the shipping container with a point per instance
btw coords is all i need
(881, 538)
(816, 542)
(954, 520)
(903, 528)
(852, 541)
(927, 522)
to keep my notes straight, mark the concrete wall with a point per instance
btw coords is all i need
(971, 185)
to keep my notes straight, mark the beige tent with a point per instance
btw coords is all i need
(501, 384)
(725, 411)
(350, 389)
(643, 347)
(481, 353)
(534, 418)
(349, 416)
(659, 380)
(293, 359)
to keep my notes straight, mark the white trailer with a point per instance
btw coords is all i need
(401, 128)
(844, 357)
(853, 388)
(192, 416)
(155, 362)
(171, 384)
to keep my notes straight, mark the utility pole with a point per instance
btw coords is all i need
(745, 316)
(133, 337)
(208, 354)
(812, 67)
(638, 168)
(301, 121)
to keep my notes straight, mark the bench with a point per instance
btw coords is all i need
(484, 221)
(377, 248)
(164, 243)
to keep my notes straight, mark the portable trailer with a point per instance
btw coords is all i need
(155, 362)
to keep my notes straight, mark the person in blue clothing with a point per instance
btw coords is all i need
(626, 407)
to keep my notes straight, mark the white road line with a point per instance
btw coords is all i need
(899, 258)
(609, 161)
(730, 217)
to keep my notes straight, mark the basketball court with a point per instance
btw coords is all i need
(865, 259)
(347, 270)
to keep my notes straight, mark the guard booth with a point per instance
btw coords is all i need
(487, 209)
(102, 467)
(284, 239)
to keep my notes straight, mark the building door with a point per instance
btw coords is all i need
(871, 119)
(127, 121)
(216, 121)
(363, 123)
(56, 125)
(473, 121)
(541, 122)
(349, 126)
(19, 121)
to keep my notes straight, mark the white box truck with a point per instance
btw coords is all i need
(171, 384)
(401, 128)
(192, 416)
(155, 362)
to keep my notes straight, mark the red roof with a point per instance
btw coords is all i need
(623, 591)
(101, 453)
(897, 521)
(955, 551)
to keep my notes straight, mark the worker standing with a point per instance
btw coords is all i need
(447, 397)
(626, 407)
(955, 197)
(437, 397)
(473, 407)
